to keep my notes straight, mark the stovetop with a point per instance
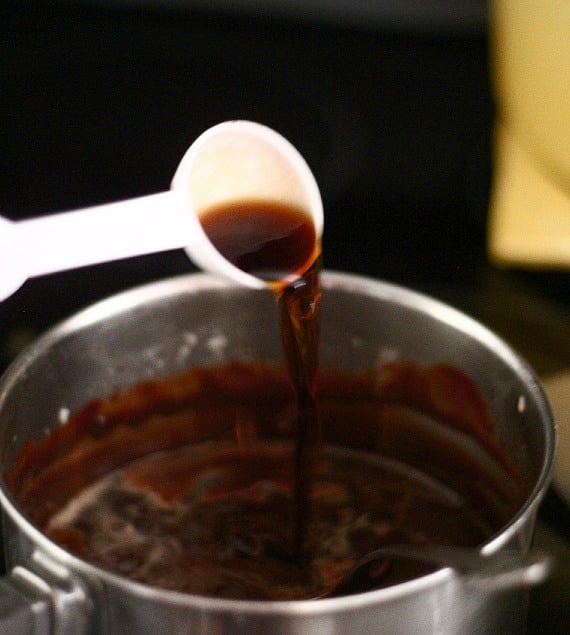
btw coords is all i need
(99, 103)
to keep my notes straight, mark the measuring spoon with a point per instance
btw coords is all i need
(232, 161)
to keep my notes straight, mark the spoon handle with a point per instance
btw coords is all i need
(501, 570)
(103, 233)
(47, 244)
(494, 572)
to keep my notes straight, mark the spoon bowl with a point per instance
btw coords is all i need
(242, 161)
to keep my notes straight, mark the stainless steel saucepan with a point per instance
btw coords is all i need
(165, 327)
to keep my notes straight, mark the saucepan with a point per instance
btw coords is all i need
(168, 326)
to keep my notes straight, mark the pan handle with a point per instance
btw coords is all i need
(43, 599)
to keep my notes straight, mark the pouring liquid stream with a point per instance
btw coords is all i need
(277, 242)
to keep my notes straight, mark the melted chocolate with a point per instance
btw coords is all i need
(188, 482)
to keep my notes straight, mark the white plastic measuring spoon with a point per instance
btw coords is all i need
(233, 161)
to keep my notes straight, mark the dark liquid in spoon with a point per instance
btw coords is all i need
(272, 241)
